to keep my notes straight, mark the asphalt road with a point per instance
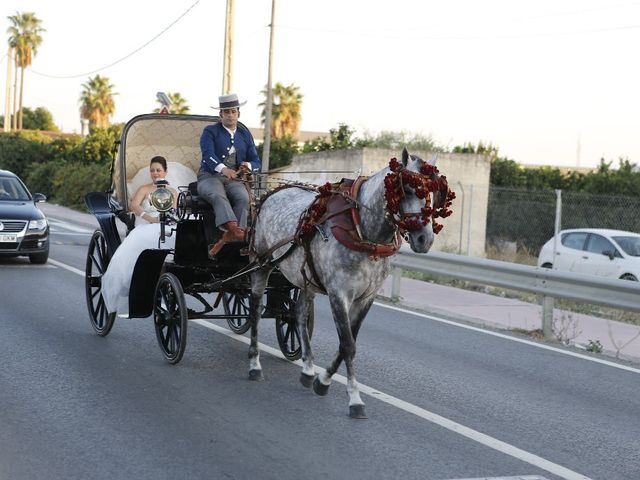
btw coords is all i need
(451, 402)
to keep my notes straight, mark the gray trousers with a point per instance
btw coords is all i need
(229, 198)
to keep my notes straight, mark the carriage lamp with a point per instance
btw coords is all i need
(162, 198)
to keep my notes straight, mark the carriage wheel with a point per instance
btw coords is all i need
(237, 304)
(170, 317)
(287, 330)
(97, 262)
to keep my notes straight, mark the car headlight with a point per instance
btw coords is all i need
(37, 225)
(162, 198)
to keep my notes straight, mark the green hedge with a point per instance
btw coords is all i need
(64, 168)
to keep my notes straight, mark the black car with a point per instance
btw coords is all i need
(24, 230)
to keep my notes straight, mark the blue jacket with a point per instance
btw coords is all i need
(216, 142)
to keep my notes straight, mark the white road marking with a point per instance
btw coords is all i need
(443, 422)
(450, 425)
(513, 339)
(29, 266)
(81, 234)
(66, 267)
(69, 226)
(468, 327)
(519, 477)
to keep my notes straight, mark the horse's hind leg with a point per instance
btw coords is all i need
(304, 316)
(258, 285)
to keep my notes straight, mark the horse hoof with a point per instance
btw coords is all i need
(320, 388)
(306, 380)
(357, 411)
(256, 375)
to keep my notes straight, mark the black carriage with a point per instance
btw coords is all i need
(163, 277)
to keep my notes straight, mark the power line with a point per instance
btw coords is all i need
(579, 12)
(123, 58)
(461, 37)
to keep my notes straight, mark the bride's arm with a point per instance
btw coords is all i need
(135, 205)
(175, 197)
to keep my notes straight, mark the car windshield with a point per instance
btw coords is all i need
(630, 245)
(12, 189)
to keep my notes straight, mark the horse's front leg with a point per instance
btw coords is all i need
(258, 285)
(347, 352)
(304, 316)
(357, 313)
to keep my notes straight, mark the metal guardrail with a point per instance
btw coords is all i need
(623, 294)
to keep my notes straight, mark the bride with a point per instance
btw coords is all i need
(141, 202)
(117, 279)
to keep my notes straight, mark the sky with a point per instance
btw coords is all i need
(550, 82)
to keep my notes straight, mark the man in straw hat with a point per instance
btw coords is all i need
(227, 148)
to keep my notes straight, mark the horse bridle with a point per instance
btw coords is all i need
(424, 182)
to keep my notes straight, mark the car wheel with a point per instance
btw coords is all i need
(39, 258)
(629, 276)
(547, 265)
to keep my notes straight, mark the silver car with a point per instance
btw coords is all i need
(594, 251)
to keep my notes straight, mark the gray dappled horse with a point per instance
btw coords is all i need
(348, 264)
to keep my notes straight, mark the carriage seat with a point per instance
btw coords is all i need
(178, 175)
(197, 204)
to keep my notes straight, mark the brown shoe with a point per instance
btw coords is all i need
(232, 233)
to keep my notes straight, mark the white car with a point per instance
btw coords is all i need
(594, 251)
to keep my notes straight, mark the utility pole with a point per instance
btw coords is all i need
(228, 50)
(266, 146)
(7, 98)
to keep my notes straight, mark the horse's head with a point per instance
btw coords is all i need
(416, 195)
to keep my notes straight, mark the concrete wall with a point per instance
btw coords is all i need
(468, 175)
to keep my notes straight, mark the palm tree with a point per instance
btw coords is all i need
(285, 112)
(96, 101)
(24, 38)
(178, 104)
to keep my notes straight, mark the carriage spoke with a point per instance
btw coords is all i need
(175, 337)
(102, 252)
(169, 320)
(96, 263)
(101, 312)
(292, 335)
(94, 293)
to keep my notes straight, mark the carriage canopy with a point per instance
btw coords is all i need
(175, 137)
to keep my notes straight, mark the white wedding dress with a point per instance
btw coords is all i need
(117, 279)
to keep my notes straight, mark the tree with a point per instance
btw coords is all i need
(178, 104)
(24, 38)
(340, 138)
(281, 152)
(285, 112)
(38, 119)
(398, 140)
(96, 101)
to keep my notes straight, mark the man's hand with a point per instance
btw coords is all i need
(229, 173)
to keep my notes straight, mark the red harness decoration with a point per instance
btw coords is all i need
(345, 224)
(336, 205)
(423, 183)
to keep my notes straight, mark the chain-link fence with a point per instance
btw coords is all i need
(525, 219)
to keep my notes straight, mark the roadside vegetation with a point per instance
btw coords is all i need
(66, 166)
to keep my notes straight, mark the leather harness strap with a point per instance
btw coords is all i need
(340, 213)
(346, 228)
